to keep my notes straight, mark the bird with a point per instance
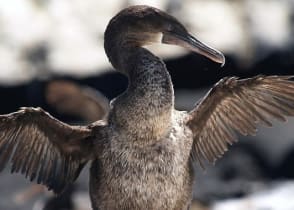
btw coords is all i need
(142, 155)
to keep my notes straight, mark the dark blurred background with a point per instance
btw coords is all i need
(42, 41)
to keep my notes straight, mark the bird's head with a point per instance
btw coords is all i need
(142, 25)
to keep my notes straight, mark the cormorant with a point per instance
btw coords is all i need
(142, 153)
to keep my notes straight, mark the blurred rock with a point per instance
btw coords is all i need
(73, 32)
(277, 197)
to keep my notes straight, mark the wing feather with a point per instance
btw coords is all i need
(236, 106)
(43, 148)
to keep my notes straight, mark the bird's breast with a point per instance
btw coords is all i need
(140, 118)
(143, 174)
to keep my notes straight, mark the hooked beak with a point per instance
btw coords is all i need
(189, 42)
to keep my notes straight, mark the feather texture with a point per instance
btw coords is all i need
(43, 148)
(238, 105)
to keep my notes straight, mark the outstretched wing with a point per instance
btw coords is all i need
(43, 148)
(238, 105)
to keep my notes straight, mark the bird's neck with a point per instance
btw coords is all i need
(146, 106)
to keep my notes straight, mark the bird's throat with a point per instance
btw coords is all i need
(149, 98)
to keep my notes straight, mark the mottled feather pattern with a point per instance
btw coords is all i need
(42, 148)
(238, 105)
(142, 152)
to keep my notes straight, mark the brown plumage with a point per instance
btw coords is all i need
(70, 98)
(43, 148)
(235, 105)
(141, 154)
